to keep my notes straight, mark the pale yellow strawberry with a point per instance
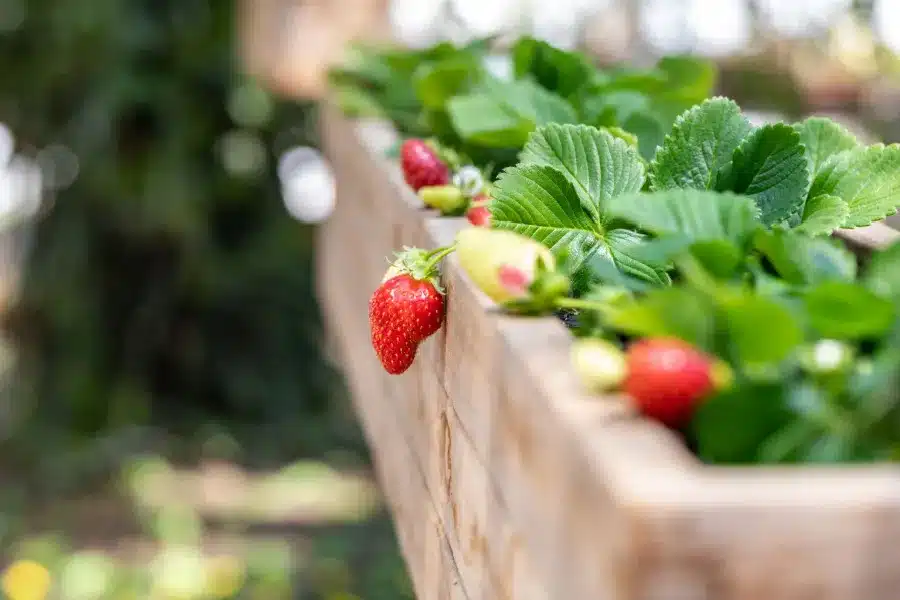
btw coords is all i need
(501, 263)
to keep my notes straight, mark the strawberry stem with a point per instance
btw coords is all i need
(436, 255)
(578, 303)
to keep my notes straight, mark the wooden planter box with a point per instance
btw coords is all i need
(507, 481)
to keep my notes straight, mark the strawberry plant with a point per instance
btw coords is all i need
(581, 189)
(703, 283)
(472, 116)
(719, 245)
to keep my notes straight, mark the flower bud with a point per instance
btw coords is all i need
(469, 180)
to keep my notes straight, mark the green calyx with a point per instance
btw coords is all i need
(448, 156)
(548, 287)
(421, 265)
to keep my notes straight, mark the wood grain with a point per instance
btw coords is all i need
(507, 481)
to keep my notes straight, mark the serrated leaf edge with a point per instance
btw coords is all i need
(679, 121)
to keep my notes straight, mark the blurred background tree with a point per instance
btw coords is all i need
(168, 298)
(167, 285)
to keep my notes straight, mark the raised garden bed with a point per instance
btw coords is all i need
(507, 480)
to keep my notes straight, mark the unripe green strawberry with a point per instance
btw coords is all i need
(448, 199)
(501, 263)
(599, 364)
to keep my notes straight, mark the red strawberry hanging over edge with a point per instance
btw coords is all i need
(407, 308)
(668, 377)
(421, 165)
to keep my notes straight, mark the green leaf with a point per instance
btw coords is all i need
(645, 81)
(732, 426)
(788, 444)
(624, 245)
(531, 100)
(770, 165)
(695, 214)
(823, 139)
(847, 311)
(720, 257)
(541, 202)
(689, 80)
(436, 83)
(829, 173)
(480, 119)
(601, 270)
(866, 178)
(883, 274)
(822, 215)
(871, 185)
(617, 132)
(503, 114)
(604, 107)
(649, 129)
(700, 144)
(599, 165)
(803, 260)
(678, 312)
(557, 70)
(761, 331)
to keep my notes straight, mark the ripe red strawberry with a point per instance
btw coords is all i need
(479, 214)
(421, 165)
(667, 377)
(406, 308)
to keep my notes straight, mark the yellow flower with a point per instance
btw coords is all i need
(26, 580)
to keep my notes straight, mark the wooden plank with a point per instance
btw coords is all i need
(866, 239)
(537, 490)
(289, 44)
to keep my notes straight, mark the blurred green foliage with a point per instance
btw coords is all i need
(168, 301)
(163, 288)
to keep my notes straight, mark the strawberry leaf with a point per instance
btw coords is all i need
(823, 139)
(482, 120)
(624, 246)
(555, 69)
(822, 215)
(801, 260)
(677, 312)
(503, 114)
(731, 427)
(867, 179)
(770, 165)
(883, 274)
(690, 80)
(746, 316)
(599, 165)
(437, 82)
(700, 144)
(542, 203)
(846, 311)
(694, 214)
